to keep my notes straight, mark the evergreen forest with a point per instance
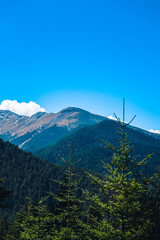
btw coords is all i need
(40, 200)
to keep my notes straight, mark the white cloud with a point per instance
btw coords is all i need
(154, 131)
(23, 108)
(112, 118)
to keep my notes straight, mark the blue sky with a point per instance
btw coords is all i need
(87, 54)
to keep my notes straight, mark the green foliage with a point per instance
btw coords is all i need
(33, 222)
(86, 145)
(122, 216)
(68, 213)
(23, 174)
(152, 201)
(126, 206)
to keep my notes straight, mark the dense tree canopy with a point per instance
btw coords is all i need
(123, 205)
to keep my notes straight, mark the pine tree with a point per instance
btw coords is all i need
(122, 215)
(35, 222)
(152, 201)
(69, 215)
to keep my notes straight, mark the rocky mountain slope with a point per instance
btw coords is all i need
(43, 128)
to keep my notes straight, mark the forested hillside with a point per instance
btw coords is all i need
(123, 205)
(25, 175)
(86, 145)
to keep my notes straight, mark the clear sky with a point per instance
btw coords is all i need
(83, 53)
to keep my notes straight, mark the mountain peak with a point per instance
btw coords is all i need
(73, 109)
(6, 112)
(21, 130)
(39, 114)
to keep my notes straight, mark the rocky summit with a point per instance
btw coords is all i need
(43, 127)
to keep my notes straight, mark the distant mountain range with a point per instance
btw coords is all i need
(43, 129)
(48, 135)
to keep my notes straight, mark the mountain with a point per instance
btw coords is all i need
(86, 145)
(43, 129)
(26, 174)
